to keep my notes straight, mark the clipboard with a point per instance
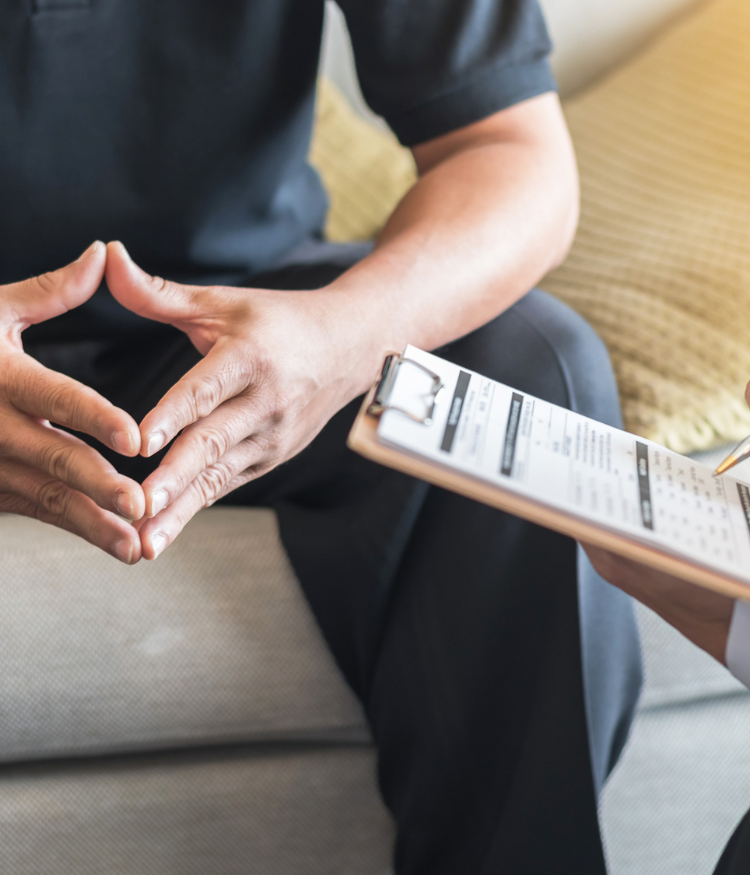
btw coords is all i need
(365, 440)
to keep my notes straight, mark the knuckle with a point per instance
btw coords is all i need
(56, 460)
(54, 497)
(205, 297)
(238, 480)
(244, 369)
(46, 283)
(158, 284)
(12, 374)
(212, 482)
(272, 441)
(261, 368)
(167, 290)
(281, 409)
(205, 396)
(17, 379)
(213, 445)
(260, 446)
(62, 404)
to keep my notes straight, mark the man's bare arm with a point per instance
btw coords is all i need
(494, 209)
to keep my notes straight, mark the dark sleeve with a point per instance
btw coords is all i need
(431, 66)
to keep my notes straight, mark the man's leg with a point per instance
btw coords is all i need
(477, 698)
(457, 625)
(736, 857)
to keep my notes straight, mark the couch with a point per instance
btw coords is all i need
(184, 718)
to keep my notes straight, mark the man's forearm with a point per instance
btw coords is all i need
(494, 209)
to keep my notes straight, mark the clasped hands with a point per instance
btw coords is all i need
(276, 367)
(270, 378)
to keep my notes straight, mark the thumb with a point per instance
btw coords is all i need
(52, 294)
(148, 296)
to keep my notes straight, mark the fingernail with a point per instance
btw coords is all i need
(158, 543)
(122, 442)
(124, 551)
(125, 506)
(91, 251)
(159, 501)
(155, 443)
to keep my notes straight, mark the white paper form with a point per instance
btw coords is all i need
(561, 459)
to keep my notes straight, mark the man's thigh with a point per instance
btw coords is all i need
(420, 592)
(735, 860)
(340, 515)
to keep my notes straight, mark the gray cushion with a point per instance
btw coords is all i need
(684, 779)
(675, 670)
(681, 787)
(212, 642)
(283, 811)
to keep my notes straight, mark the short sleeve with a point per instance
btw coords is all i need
(431, 66)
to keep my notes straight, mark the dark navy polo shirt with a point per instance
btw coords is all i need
(181, 127)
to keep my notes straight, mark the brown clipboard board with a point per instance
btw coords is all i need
(363, 439)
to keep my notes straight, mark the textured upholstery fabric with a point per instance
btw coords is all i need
(233, 811)
(680, 789)
(594, 36)
(676, 671)
(663, 243)
(211, 643)
(684, 779)
(103, 657)
(365, 171)
(661, 260)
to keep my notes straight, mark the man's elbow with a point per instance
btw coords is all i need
(569, 210)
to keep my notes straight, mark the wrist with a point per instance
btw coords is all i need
(362, 334)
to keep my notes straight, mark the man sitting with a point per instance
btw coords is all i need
(498, 671)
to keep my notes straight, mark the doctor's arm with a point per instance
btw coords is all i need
(495, 207)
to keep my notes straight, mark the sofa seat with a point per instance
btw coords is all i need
(212, 643)
(182, 716)
(279, 809)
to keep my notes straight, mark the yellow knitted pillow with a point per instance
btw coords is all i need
(365, 171)
(661, 264)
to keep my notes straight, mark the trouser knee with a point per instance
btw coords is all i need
(544, 348)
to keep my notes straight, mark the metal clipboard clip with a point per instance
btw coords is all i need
(380, 401)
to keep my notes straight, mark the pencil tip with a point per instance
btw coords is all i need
(725, 465)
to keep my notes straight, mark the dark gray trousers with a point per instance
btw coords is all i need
(736, 857)
(498, 672)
